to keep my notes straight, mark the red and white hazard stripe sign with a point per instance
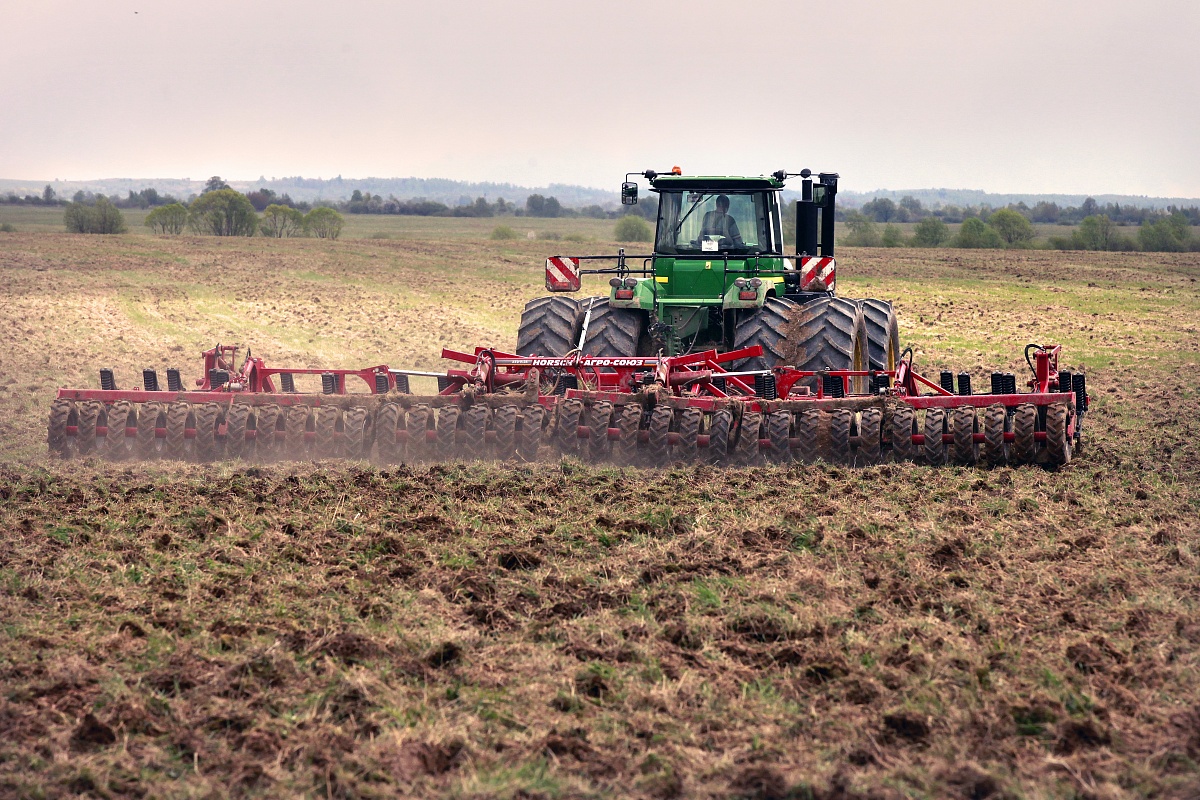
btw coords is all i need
(562, 274)
(817, 274)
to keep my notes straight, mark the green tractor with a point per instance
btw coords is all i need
(719, 278)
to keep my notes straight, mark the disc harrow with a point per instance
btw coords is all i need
(635, 411)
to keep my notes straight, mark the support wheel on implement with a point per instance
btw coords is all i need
(903, 423)
(1024, 446)
(808, 436)
(630, 423)
(719, 425)
(1058, 444)
(995, 449)
(505, 423)
(870, 437)
(749, 430)
(388, 420)
(417, 427)
(529, 438)
(326, 443)
(935, 449)
(295, 430)
(266, 421)
(963, 449)
(687, 424)
(779, 431)
(147, 430)
(839, 436)
(474, 432)
(356, 432)
(60, 417)
(85, 436)
(566, 432)
(447, 430)
(205, 445)
(598, 418)
(658, 445)
(117, 445)
(175, 445)
(237, 421)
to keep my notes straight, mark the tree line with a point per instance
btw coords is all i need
(218, 211)
(1008, 228)
(536, 205)
(910, 209)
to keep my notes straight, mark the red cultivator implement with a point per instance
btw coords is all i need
(650, 411)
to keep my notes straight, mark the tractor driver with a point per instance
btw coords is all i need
(720, 223)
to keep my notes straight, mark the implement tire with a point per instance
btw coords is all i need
(903, 420)
(719, 425)
(266, 421)
(147, 434)
(505, 422)
(56, 437)
(995, 450)
(1024, 446)
(935, 448)
(768, 327)
(447, 429)
(1058, 444)
(474, 429)
(417, 427)
(808, 435)
(205, 445)
(687, 422)
(177, 418)
(549, 326)
(870, 437)
(387, 420)
(89, 417)
(779, 431)
(749, 431)
(237, 420)
(830, 333)
(599, 417)
(630, 423)
(529, 438)
(883, 333)
(356, 432)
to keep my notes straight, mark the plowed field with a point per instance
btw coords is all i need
(558, 630)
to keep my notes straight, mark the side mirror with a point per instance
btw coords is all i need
(629, 193)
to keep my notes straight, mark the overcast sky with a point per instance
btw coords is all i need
(1013, 96)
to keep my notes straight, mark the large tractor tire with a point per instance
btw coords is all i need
(769, 327)
(830, 333)
(883, 333)
(549, 326)
(614, 332)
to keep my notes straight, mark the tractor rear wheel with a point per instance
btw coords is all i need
(883, 333)
(614, 332)
(549, 326)
(767, 326)
(830, 333)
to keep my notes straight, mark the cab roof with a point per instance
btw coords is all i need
(717, 183)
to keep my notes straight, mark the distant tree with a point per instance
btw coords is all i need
(357, 197)
(215, 184)
(930, 232)
(913, 206)
(48, 195)
(223, 212)
(893, 236)
(881, 209)
(79, 197)
(261, 198)
(975, 233)
(1098, 232)
(280, 221)
(1012, 226)
(103, 217)
(632, 228)
(168, 219)
(863, 232)
(1045, 212)
(1172, 234)
(534, 205)
(482, 209)
(1090, 208)
(324, 223)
